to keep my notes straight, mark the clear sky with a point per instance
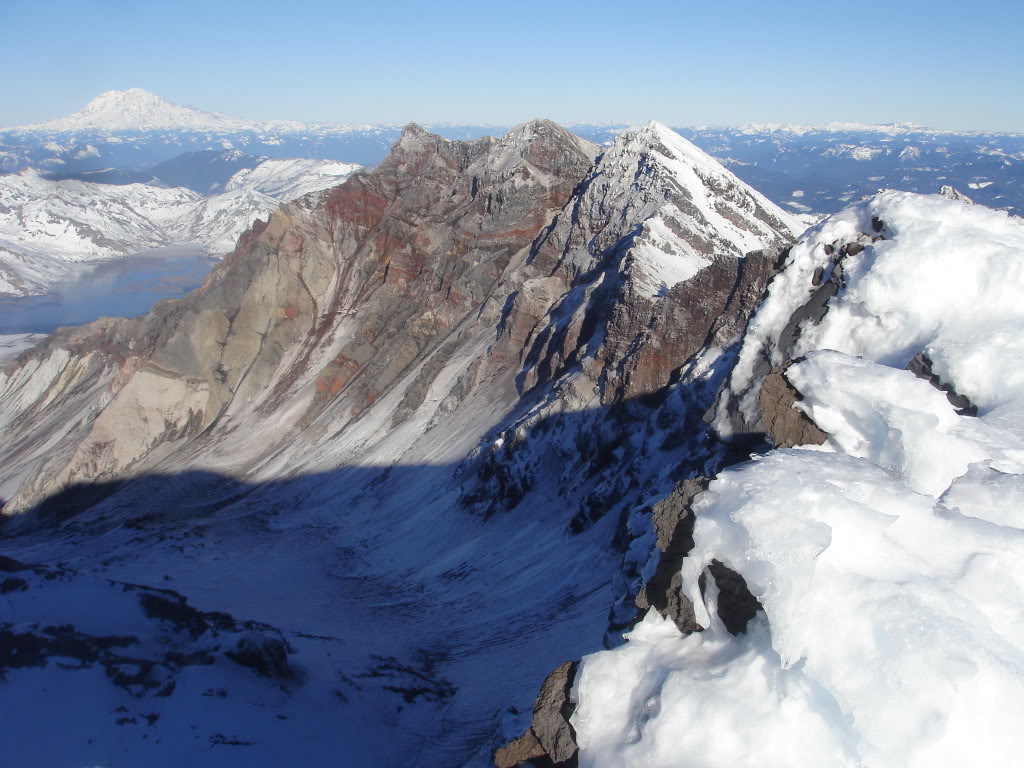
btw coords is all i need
(943, 64)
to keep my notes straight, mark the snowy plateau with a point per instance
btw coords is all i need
(528, 449)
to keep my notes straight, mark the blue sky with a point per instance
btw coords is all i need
(944, 64)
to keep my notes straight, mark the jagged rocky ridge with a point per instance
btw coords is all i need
(502, 346)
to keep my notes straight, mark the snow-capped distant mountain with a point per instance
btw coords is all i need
(47, 225)
(807, 169)
(134, 130)
(138, 110)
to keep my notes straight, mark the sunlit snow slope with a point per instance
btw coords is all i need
(889, 561)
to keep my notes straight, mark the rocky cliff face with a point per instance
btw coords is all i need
(433, 374)
(455, 270)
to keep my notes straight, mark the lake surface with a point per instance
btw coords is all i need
(122, 288)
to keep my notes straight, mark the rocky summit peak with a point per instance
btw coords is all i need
(662, 139)
(414, 129)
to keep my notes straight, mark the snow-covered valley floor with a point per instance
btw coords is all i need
(413, 625)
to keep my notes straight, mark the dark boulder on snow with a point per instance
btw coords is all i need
(921, 366)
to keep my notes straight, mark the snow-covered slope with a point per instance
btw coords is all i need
(889, 561)
(218, 220)
(286, 180)
(46, 225)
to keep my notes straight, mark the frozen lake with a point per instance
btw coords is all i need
(122, 288)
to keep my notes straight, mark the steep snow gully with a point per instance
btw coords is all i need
(423, 438)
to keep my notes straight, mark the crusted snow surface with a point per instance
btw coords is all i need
(889, 562)
(946, 281)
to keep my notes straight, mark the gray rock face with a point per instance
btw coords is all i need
(466, 271)
(673, 524)
(785, 426)
(551, 713)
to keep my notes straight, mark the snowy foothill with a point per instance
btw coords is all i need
(46, 225)
(889, 561)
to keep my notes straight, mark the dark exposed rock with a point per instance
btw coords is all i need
(13, 584)
(852, 249)
(736, 605)
(175, 611)
(550, 740)
(921, 366)
(551, 713)
(673, 524)
(785, 426)
(877, 224)
(525, 749)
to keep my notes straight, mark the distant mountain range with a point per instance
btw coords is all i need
(124, 135)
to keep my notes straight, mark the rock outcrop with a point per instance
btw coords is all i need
(550, 739)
